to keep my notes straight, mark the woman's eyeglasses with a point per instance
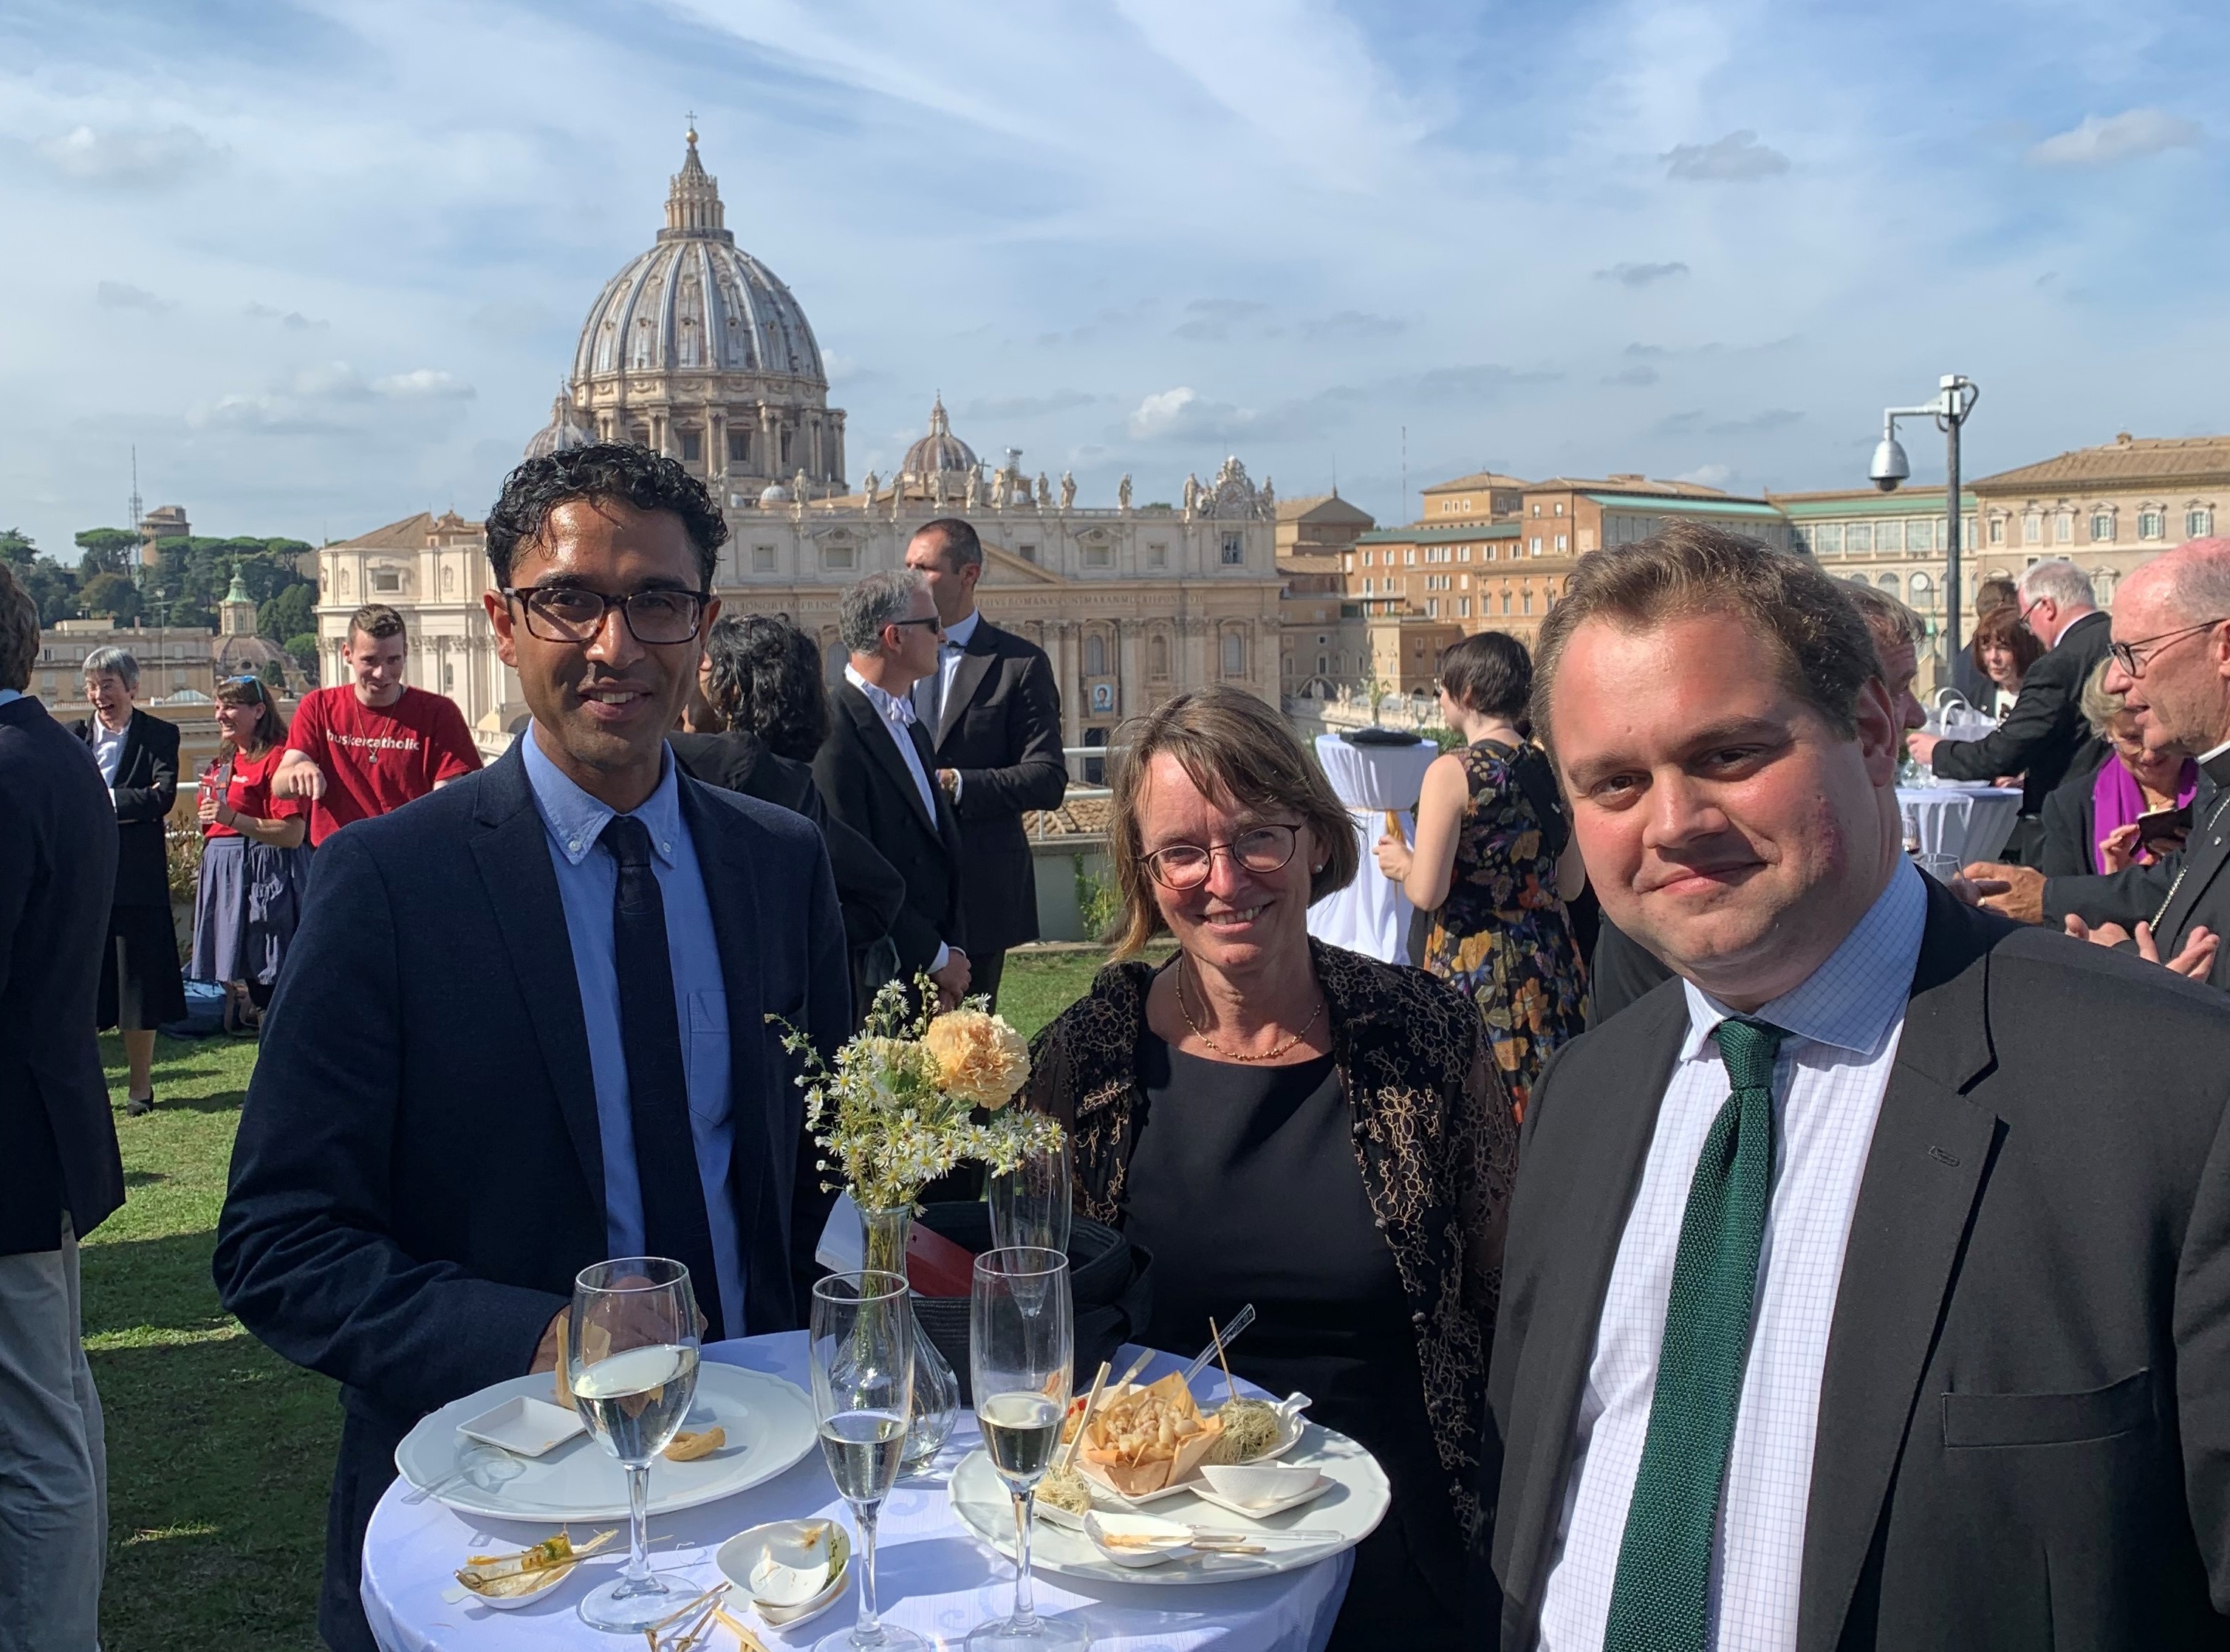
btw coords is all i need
(574, 613)
(1260, 850)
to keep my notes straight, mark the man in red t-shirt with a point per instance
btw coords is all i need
(362, 748)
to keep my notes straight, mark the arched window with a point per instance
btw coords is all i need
(1234, 654)
(1924, 591)
(643, 341)
(1095, 655)
(1888, 583)
(1157, 658)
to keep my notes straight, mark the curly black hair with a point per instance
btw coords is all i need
(762, 674)
(603, 470)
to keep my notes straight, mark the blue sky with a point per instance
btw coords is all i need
(323, 264)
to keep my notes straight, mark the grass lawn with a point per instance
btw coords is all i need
(219, 1451)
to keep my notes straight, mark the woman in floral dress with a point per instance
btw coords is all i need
(1494, 864)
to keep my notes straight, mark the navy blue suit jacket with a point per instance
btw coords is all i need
(57, 869)
(419, 1174)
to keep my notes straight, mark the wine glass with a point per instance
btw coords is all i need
(631, 1365)
(1021, 1343)
(1030, 1203)
(862, 1353)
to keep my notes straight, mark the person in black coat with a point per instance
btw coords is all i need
(761, 682)
(141, 984)
(873, 771)
(2043, 737)
(992, 712)
(60, 1171)
(474, 1081)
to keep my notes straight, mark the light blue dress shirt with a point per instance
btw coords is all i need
(586, 878)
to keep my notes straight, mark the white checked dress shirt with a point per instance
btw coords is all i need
(1845, 1021)
(897, 715)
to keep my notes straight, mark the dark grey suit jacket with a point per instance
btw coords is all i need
(146, 786)
(867, 786)
(2024, 1433)
(999, 728)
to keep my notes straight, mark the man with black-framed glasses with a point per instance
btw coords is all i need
(2170, 663)
(523, 1026)
(2043, 737)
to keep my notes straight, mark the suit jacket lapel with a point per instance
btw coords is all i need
(511, 847)
(876, 734)
(1931, 1151)
(729, 894)
(1559, 1349)
(976, 663)
(130, 754)
(2203, 857)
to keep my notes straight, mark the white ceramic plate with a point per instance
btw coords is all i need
(523, 1427)
(769, 1425)
(1353, 1506)
(1207, 1494)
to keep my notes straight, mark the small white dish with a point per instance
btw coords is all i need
(1258, 1490)
(1136, 1541)
(524, 1589)
(524, 1426)
(803, 1567)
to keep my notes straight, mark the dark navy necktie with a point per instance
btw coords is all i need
(671, 1192)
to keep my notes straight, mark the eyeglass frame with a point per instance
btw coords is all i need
(929, 619)
(524, 595)
(1292, 831)
(2133, 665)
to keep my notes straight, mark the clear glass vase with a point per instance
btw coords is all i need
(936, 1390)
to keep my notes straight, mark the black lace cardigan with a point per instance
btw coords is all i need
(1435, 1137)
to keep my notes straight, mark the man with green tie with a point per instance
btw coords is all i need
(1854, 1297)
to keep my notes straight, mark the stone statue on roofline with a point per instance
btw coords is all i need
(1067, 490)
(1192, 492)
(972, 497)
(1000, 493)
(1044, 492)
(1123, 491)
(937, 495)
(868, 488)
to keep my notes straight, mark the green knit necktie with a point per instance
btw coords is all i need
(1660, 1600)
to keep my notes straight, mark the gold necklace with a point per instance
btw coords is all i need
(1201, 1032)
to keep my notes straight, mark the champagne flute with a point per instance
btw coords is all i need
(1021, 1343)
(861, 1341)
(1030, 1203)
(631, 1367)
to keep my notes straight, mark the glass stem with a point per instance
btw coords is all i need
(1025, 1615)
(638, 1565)
(868, 1629)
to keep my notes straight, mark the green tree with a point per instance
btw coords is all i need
(303, 651)
(54, 587)
(17, 549)
(289, 613)
(104, 550)
(112, 594)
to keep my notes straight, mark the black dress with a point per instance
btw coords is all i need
(1245, 1188)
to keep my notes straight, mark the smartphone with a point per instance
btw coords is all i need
(2164, 825)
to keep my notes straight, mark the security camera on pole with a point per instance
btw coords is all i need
(1954, 399)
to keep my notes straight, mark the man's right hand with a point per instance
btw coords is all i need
(297, 777)
(547, 1351)
(2017, 891)
(952, 979)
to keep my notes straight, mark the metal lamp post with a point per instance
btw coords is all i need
(1954, 399)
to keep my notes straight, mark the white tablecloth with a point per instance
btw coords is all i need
(1371, 915)
(934, 1578)
(1969, 822)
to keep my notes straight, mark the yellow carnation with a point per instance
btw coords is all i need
(979, 1057)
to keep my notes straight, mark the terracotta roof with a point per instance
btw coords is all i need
(1322, 507)
(1479, 479)
(2125, 460)
(1077, 816)
(1627, 484)
(410, 534)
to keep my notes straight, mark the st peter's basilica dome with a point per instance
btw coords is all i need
(940, 450)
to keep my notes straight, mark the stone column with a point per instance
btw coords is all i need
(1067, 672)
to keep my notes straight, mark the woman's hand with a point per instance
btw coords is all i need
(2118, 849)
(1395, 856)
(206, 807)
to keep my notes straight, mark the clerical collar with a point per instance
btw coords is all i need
(2215, 764)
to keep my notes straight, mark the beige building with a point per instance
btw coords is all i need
(697, 351)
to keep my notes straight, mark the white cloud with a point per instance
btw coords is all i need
(1642, 274)
(423, 383)
(1708, 475)
(1160, 413)
(122, 295)
(129, 159)
(2125, 137)
(1738, 158)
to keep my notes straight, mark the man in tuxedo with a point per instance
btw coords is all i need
(992, 712)
(874, 772)
(523, 1026)
(2171, 663)
(1848, 1302)
(2044, 736)
(59, 1173)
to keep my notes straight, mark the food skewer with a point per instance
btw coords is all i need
(1076, 1440)
(1230, 1383)
(1239, 1321)
(741, 1631)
